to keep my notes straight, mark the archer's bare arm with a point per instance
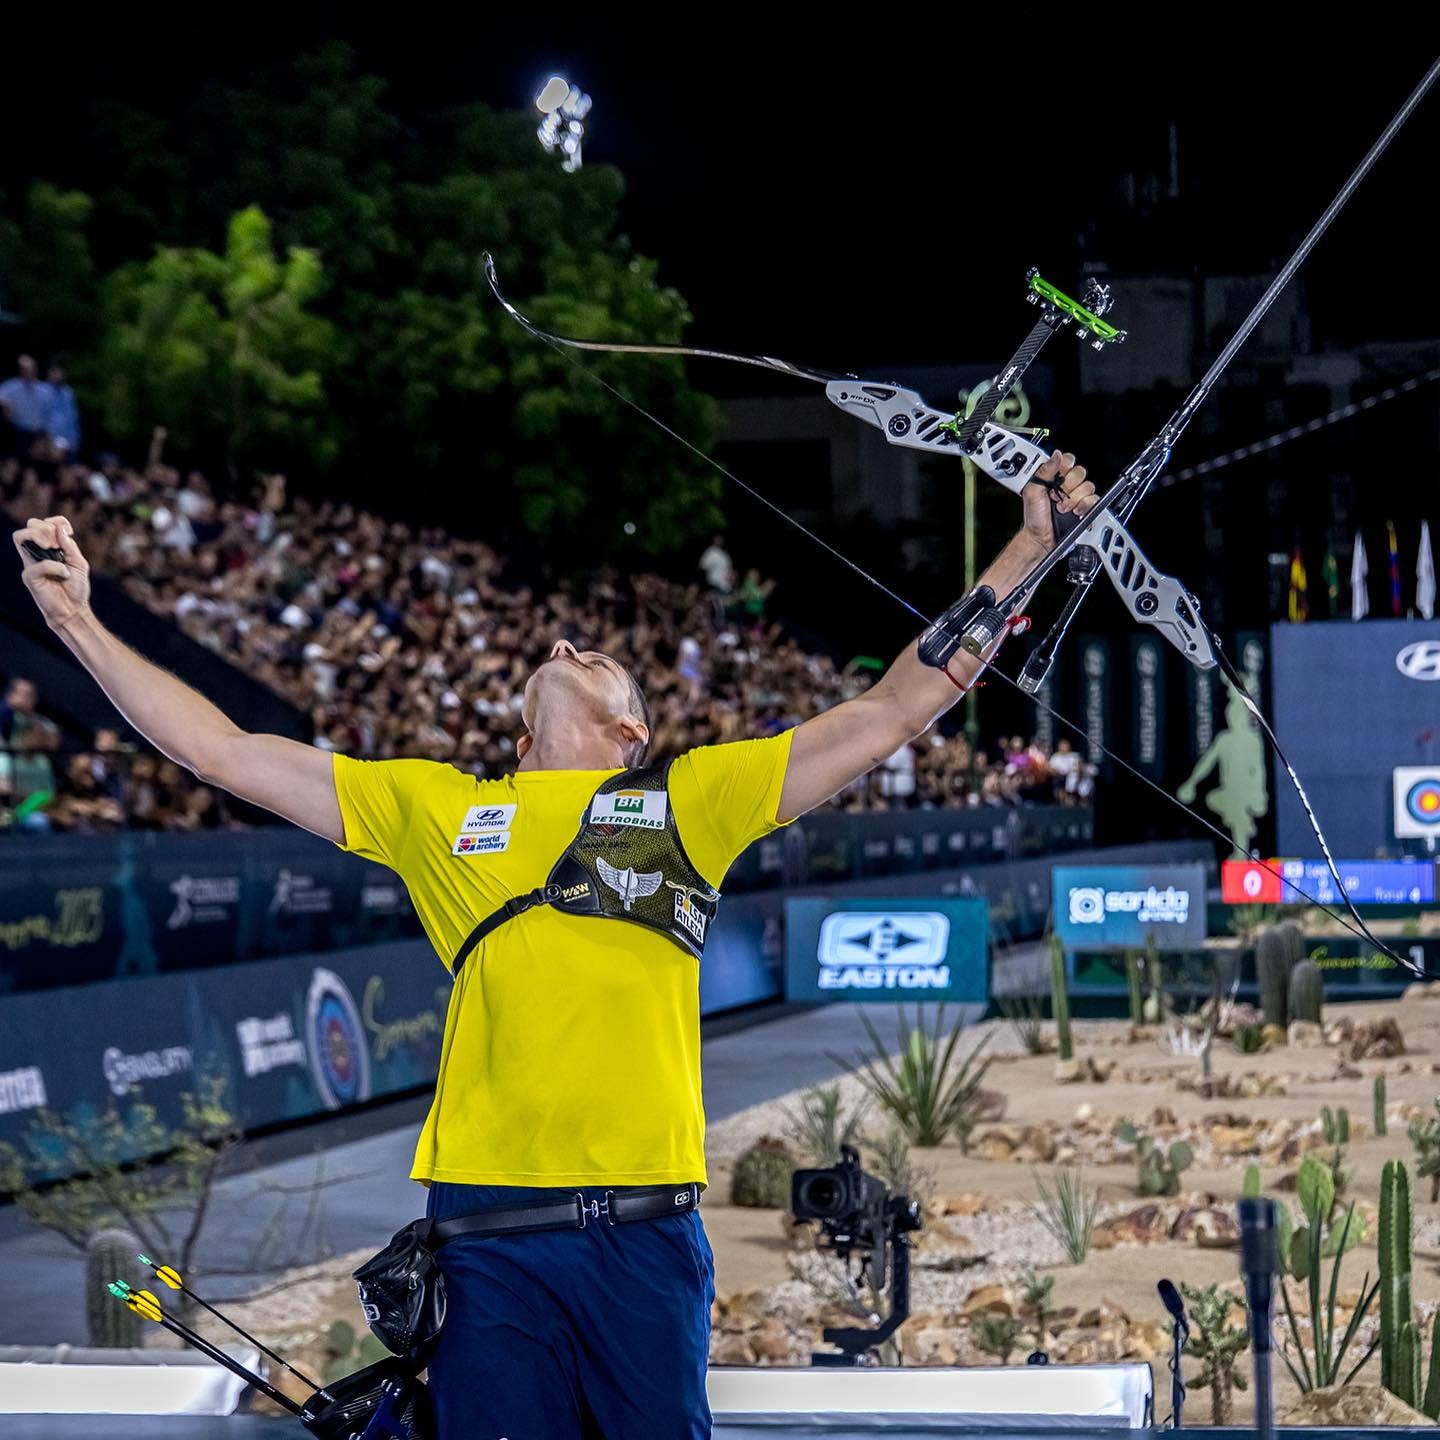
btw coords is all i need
(832, 750)
(293, 780)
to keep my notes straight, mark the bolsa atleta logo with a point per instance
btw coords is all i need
(871, 950)
(687, 912)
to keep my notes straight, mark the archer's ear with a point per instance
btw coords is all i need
(634, 731)
(523, 744)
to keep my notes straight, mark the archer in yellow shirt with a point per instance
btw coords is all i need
(571, 902)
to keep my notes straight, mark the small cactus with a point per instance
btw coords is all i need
(1294, 939)
(1250, 1186)
(1380, 1127)
(1272, 975)
(1335, 1125)
(1159, 1169)
(345, 1356)
(762, 1176)
(1396, 1247)
(1307, 992)
(110, 1257)
(1060, 999)
(1132, 977)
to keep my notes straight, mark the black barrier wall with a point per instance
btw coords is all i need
(79, 908)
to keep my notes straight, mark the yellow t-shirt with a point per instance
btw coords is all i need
(572, 1043)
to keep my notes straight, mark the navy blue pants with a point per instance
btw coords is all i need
(594, 1334)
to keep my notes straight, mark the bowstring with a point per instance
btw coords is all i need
(1363, 931)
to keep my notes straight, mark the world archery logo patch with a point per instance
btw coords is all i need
(490, 842)
(644, 809)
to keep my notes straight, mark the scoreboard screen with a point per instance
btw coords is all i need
(1370, 882)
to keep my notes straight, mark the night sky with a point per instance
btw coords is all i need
(869, 190)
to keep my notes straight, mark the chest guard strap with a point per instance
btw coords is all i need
(626, 863)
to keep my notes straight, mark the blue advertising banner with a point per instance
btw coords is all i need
(1389, 673)
(888, 949)
(1123, 907)
(288, 1038)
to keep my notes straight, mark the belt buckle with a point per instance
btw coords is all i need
(594, 1209)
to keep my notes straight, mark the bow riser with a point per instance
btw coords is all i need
(904, 419)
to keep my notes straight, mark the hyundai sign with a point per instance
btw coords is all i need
(1124, 907)
(863, 948)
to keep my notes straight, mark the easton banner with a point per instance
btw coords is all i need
(887, 949)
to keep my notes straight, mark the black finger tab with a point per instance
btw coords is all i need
(40, 552)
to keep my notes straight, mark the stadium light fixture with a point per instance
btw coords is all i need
(564, 107)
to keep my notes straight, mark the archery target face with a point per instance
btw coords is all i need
(1417, 801)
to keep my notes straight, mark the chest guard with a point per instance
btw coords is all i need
(627, 863)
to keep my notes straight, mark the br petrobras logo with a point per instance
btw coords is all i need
(1420, 661)
(339, 1056)
(889, 950)
(1087, 905)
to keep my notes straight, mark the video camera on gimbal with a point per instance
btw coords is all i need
(858, 1215)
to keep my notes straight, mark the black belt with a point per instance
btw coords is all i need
(572, 1212)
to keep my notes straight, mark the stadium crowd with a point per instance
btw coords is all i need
(398, 641)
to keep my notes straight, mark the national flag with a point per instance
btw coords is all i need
(1425, 574)
(1299, 600)
(1394, 569)
(1359, 572)
(1330, 573)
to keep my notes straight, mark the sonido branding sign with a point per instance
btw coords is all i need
(1089, 905)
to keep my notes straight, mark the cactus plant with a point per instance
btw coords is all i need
(1379, 1104)
(1425, 1137)
(1159, 1169)
(762, 1176)
(1059, 999)
(1396, 1242)
(1301, 1250)
(110, 1256)
(1335, 1125)
(1272, 975)
(1132, 978)
(344, 1356)
(1217, 1345)
(1294, 939)
(1307, 992)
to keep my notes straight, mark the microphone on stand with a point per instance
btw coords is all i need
(1257, 1266)
(1170, 1298)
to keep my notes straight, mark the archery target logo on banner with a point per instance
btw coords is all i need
(1417, 801)
(339, 1056)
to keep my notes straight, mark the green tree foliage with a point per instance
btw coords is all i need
(428, 380)
(223, 350)
(47, 273)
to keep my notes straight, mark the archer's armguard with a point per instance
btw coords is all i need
(942, 639)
